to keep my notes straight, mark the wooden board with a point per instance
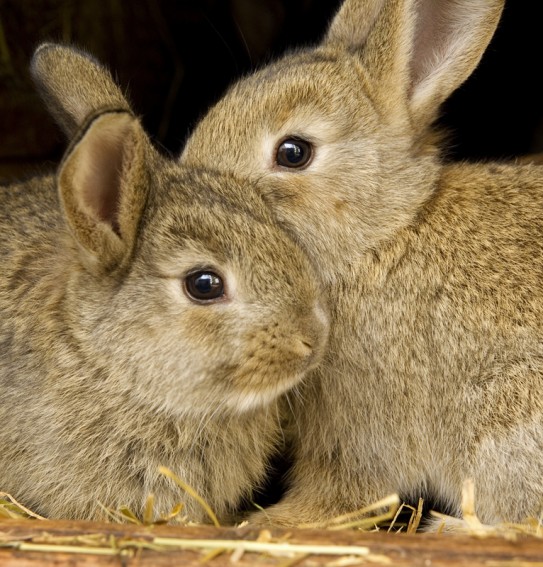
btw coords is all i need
(58, 543)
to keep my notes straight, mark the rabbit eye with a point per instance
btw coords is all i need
(294, 153)
(204, 286)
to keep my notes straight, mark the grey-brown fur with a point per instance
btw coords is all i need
(434, 272)
(107, 369)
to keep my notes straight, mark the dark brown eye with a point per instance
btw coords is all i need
(204, 286)
(294, 153)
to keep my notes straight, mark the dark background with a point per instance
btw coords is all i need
(175, 58)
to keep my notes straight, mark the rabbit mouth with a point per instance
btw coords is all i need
(250, 399)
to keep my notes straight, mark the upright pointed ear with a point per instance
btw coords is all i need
(73, 85)
(418, 51)
(352, 23)
(103, 185)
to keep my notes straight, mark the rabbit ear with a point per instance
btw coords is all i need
(353, 22)
(73, 85)
(421, 50)
(103, 185)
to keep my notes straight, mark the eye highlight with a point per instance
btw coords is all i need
(204, 286)
(294, 153)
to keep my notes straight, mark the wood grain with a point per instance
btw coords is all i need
(100, 544)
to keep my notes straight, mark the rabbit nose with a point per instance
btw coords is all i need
(310, 343)
(302, 347)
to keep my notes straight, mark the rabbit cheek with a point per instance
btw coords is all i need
(300, 207)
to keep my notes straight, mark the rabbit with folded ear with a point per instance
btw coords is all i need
(434, 272)
(150, 315)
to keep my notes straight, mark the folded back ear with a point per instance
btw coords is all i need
(73, 85)
(103, 185)
(418, 51)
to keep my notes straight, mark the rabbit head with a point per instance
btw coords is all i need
(341, 132)
(176, 279)
(199, 298)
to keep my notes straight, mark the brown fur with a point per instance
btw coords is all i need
(434, 272)
(107, 369)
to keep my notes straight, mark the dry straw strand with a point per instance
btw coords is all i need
(19, 506)
(261, 547)
(191, 492)
(352, 519)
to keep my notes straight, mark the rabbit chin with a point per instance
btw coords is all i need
(248, 400)
(219, 396)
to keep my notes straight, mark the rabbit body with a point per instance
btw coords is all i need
(438, 379)
(108, 367)
(433, 271)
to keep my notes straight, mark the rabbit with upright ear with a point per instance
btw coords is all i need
(433, 272)
(150, 315)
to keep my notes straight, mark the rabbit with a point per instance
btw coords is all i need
(150, 315)
(432, 270)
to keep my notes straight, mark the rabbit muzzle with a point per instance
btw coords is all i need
(277, 359)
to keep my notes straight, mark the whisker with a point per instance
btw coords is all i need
(221, 37)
